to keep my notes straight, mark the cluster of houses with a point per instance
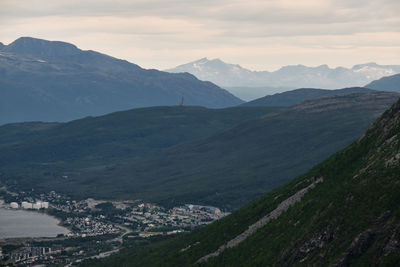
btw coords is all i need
(91, 226)
(149, 217)
(208, 209)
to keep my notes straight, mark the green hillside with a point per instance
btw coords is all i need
(180, 155)
(117, 136)
(348, 213)
(35, 152)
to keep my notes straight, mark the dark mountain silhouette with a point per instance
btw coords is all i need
(293, 97)
(56, 81)
(389, 83)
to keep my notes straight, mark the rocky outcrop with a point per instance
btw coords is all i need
(282, 207)
(359, 245)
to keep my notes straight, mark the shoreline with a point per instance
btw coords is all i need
(57, 222)
(22, 240)
(40, 211)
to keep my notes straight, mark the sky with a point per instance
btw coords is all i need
(259, 35)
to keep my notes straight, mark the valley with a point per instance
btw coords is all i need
(177, 162)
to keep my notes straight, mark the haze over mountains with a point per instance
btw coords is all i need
(56, 81)
(249, 85)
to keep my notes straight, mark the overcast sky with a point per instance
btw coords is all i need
(260, 35)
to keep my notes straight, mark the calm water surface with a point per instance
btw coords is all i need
(21, 223)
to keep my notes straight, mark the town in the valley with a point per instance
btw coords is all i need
(97, 228)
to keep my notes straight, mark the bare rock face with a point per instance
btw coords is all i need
(300, 251)
(282, 207)
(318, 241)
(393, 243)
(359, 245)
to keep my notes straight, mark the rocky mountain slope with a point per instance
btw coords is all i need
(343, 212)
(56, 81)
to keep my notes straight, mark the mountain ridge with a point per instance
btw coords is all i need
(40, 47)
(388, 83)
(297, 96)
(56, 81)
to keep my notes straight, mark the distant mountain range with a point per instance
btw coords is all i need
(177, 155)
(56, 81)
(249, 85)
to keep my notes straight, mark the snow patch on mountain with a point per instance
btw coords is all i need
(293, 76)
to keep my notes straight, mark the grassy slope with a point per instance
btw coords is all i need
(352, 218)
(35, 152)
(132, 133)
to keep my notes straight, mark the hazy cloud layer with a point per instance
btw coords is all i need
(256, 34)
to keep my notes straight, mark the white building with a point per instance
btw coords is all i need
(14, 205)
(45, 205)
(37, 205)
(26, 205)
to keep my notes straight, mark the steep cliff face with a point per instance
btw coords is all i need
(345, 211)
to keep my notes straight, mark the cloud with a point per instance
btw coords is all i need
(258, 34)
